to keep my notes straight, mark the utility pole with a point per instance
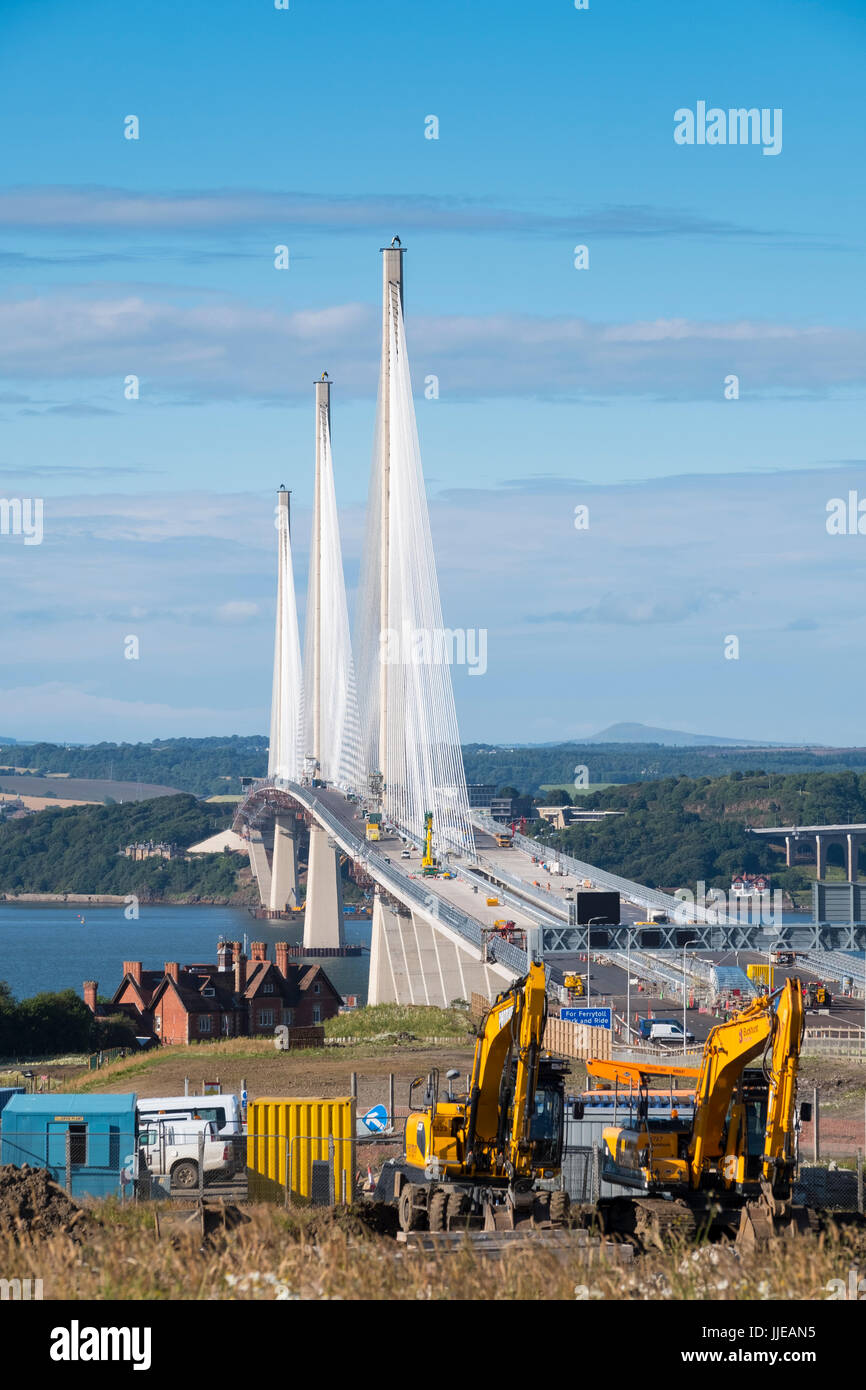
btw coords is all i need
(392, 297)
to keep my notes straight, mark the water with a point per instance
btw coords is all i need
(46, 947)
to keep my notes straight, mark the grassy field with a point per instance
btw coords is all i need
(292, 1255)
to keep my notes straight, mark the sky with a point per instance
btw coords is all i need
(606, 387)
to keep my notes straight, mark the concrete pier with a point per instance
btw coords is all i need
(323, 916)
(284, 865)
(260, 866)
(413, 963)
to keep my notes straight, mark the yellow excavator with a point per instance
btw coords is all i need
(731, 1167)
(476, 1158)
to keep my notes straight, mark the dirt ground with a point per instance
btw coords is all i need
(841, 1087)
(323, 1074)
(31, 1202)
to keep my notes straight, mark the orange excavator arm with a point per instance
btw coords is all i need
(637, 1073)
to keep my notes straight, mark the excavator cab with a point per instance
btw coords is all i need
(547, 1120)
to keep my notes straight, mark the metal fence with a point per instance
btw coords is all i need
(581, 1173)
(831, 1188)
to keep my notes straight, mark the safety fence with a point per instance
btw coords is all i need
(831, 1188)
(581, 1173)
(97, 1060)
(452, 1039)
(834, 1042)
(35, 1081)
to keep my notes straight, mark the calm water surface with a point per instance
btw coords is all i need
(48, 948)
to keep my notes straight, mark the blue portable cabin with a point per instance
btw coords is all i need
(6, 1094)
(95, 1135)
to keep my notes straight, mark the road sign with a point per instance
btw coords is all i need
(593, 1018)
(376, 1119)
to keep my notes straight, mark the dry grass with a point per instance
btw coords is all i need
(296, 1255)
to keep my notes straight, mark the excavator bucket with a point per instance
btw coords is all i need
(756, 1225)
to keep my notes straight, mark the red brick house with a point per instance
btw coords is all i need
(234, 998)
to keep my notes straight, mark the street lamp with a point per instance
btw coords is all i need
(690, 942)
(628, 985)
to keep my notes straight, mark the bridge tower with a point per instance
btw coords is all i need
(323, 916)
(278, 882)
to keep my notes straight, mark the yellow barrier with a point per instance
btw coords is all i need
(286, 1136)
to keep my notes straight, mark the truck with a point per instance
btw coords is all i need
(224, 1109)
(373, 825)
(175, 1147)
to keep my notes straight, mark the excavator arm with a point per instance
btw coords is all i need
(729, 1049)
(778, 1160)
(514, 1023)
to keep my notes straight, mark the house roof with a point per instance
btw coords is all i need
(150, 980)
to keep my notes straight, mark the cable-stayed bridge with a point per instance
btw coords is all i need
(371, 728)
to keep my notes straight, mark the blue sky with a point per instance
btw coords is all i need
(305, 127)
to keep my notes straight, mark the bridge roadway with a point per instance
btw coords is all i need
(451, 906)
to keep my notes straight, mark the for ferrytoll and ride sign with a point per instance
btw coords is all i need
(593, 1018)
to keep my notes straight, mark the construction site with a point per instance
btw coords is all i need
(493, 1157)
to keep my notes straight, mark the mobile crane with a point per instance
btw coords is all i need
(428, 863)
(475, 1158)
(732, 1167)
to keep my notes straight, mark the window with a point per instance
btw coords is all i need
(317, 988)
(317, 1013)
(266, 1018)
(78, 1145)
(205, 1023)
(288, 1017)
(268, 987)
(209, 993)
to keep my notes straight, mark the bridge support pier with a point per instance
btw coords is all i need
(323, 917)
(260, 866)
(284, 864)
(411, 962)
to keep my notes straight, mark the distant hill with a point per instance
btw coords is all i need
(644, 733)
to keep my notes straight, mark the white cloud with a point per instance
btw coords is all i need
(228, 348)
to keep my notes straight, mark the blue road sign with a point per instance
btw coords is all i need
(593, 1018)
(376, 1119)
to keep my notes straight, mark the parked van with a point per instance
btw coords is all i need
(223, 1111)
(664, 1030)
(171, 1147)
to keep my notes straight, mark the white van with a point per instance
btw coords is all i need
(171, 1147)
(224, 1112)
(663, 1031)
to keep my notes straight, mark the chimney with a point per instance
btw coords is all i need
(172, 968)
(224, 955)
(90, 988)
(240, 972)
(281, 953)
(259, 950)
(133, 968)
